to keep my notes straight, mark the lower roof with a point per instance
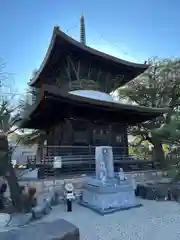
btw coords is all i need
(55, 106)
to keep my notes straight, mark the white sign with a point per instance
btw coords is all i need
(57, 162)
(70, 196)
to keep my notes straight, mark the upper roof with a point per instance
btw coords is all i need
(59, 36)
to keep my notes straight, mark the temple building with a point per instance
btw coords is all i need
(73, 101)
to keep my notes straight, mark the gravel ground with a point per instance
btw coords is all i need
(155, 220)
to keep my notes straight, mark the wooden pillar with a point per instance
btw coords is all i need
(41, 94)
(67, 132)
(126, 140)
(90, 133)
(110, 135)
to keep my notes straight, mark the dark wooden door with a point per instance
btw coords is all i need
(101, 136)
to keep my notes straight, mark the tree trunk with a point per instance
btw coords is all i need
(14, 187)
(6, 170)
(158, 153)
(40, 152)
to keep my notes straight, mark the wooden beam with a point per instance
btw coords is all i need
(74, 68)
(89, 71)
(107, 83)
(41, 94)
(99, 74)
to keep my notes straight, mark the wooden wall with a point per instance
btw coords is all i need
(83, 133)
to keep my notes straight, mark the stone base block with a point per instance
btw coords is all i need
(109, 210)
(19, 220)
(108, 202)
(4, 219)
(175, 192)
(40, 210)
(54, 198)
(57, 230)
(153, 191)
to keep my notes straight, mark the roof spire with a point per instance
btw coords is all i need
(82, 30)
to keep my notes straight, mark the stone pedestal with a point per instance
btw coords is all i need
(107, 199)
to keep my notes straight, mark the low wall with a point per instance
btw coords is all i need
(78, 182)
(148, 175)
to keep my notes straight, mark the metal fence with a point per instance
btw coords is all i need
(57, 160)
(69, 154)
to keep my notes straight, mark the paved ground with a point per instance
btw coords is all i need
(155, 220)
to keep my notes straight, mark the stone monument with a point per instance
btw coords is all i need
(107, 191)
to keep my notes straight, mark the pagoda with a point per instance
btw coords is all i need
(73, 102)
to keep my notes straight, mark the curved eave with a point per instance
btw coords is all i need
(114, 105)
(81, 107)
(58, 33)
(96, 102)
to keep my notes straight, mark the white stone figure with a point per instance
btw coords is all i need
(69, 195)
(103, 172)
(69, 191)
(121, 175)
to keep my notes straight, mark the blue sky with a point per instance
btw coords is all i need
(132, 29)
